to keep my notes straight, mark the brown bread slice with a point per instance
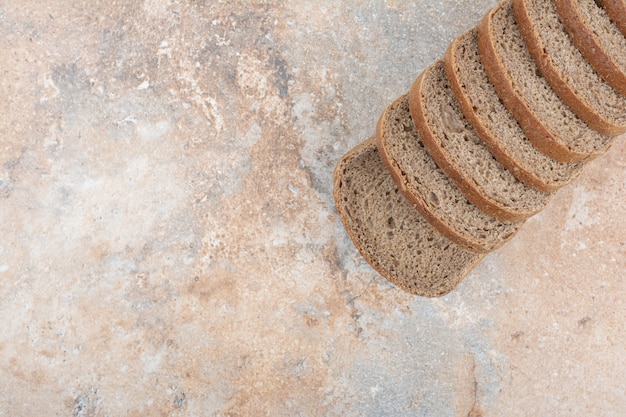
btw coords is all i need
(547, 122)
(599, 40)
(494, 124)
(390, 234)
(428, 188)
(454, 145)
(616, 9)
(566, 69)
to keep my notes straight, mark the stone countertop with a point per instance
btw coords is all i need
(169, 244)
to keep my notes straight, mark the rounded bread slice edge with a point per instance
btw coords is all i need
(616, 9)
(554, 77)
(442, 286)
(471, 192)
(531, 124)
(415, 200)
(466, 105)
(597, 55)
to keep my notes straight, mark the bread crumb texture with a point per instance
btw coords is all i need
(169, 244)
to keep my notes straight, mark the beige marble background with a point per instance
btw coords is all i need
(169, 244)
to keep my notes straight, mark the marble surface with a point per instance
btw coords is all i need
(169, 244)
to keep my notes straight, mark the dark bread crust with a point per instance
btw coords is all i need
(408, 241)
(439, 282)
(552, 73)
(541, 137)
(600, 59)
(417, 112)
(616, 9)
(435, 221)
(524, 172)
(343, 215)
(431, 215)
(485, 203)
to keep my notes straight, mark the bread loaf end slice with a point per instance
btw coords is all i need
(454, 145)
(567, 71)
(547, 122)
(597, 37)
(429, 189)
(389, 233)
(495, 125)
(616, 9)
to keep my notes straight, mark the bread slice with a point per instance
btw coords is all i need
(454, 145)
(599, 40)
(566, 69)
(547, 122)
(494, 124)
(616, 9)
(428, 188)
(390, 234)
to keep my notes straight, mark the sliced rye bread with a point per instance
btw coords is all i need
(390, 234)
(566, 69)
(547, 122)
(494, 124)
(597, 37)
(429, 189)
(455, 147)
(616, 9)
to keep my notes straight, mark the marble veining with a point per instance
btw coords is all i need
(169, 243)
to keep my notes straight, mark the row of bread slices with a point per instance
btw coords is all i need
(484, 138)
